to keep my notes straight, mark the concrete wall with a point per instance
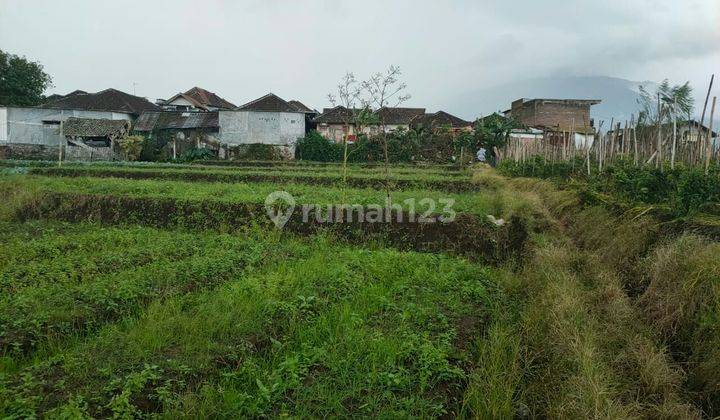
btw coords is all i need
(26, 126)
(43, 152)
(276, 128)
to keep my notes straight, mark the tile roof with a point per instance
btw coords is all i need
(440, 118)
(106, 100)
(299, 106)
(203, 99)
(268, 103)
(336, 115)
(56, 96)
(394, 115)
(149, 121)
(90, 127)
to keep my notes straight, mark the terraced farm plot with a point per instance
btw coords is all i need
(244, 326)
(355, 179)
(172, 294)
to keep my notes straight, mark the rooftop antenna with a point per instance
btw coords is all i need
(134, 85)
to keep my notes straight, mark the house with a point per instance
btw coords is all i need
(55, 96)
(176, 132)
(440, 119)
(96, 136)
(393, 118)
(526, 135)
(108, 100)
(337, 123)
(33, 132)
(561, 120)
(310, 114)
(196, 99)
(553, 114)
(689, 131)
(266, 120)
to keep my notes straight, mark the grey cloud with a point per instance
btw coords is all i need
(299, 49)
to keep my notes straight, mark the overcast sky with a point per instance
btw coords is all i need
(299, 49)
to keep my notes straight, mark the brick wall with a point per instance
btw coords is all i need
(552, 114)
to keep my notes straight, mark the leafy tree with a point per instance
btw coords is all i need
(22, 82)
(465, 145)
(676, 102)
(492, 132)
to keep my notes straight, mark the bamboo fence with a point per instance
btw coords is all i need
(669, 144)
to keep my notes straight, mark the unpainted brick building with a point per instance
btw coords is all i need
(554, 114)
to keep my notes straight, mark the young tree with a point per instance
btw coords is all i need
(385, 90)
(348, 94)
(22, 82)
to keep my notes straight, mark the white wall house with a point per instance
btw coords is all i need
(41, 126)
(196, 99)
(267, 120)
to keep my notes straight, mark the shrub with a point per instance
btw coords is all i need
(256, 151)
(317, 148)
(197, 154)
(682, 190)
(131, 146)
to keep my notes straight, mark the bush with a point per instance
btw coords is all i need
(197, 154)
(317, 148)
(131, 146)
(256, 151)
(404, 146)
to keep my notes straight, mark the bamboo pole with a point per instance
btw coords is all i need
(587, 149)
(61, 140)
(674, 135)
(658, 160)
(634, 134)
(708, 147)
(707, 97)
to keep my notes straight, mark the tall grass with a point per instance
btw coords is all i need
(682, 301)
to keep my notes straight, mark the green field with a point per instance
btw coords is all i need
(175, 296)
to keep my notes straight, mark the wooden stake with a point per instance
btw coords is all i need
(658, 160)
(708, 147)
(61, 141)
(634, 131)
(702, 117)
(674, 135)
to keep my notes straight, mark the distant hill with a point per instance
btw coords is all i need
(619, 96)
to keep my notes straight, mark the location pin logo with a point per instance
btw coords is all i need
(279, 206)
